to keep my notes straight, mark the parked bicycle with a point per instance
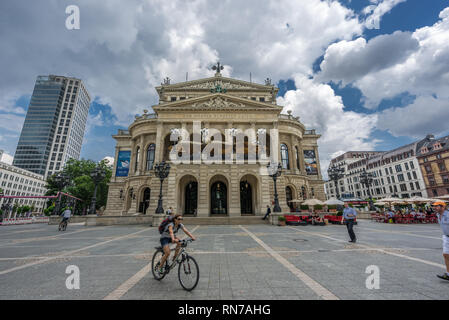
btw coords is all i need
(188, 270)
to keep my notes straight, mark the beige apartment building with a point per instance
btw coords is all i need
(202, 111)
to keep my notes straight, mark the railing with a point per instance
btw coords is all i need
(146, 116)
(288, 117)
(310, 132)
(123, 132)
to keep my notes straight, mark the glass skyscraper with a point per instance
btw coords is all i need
(54, 126)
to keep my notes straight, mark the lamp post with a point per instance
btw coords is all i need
(275, 171)
(335, 173)
(97, 176)
(61, 180)
(366, 178)
(161, 170)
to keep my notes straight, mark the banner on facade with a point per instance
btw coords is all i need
(310, 162)
(123, 161)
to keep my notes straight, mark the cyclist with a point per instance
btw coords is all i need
(65, 215)
(168, 236)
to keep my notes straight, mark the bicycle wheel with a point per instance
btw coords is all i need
(157, 256)
(64, 226)
(188, 273)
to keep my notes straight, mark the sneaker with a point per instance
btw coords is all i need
(444, 276)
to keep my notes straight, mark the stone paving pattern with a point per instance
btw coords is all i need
(232, 264)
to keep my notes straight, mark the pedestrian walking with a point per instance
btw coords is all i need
(443, 218)
(268, 212)
(349, 215)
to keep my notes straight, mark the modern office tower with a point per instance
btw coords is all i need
(54, 126)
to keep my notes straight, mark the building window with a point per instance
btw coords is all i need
(431, 180)
(398, 168)
(428, 168)
(150, 156)
(297, 158)
(400, 177)
(403, 187)
(414, 175)
(441, 166)
(284, 157)
(136, 165)
(435, 193)
(417, 185)
(445, 178)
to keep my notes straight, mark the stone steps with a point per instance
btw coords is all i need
(224, 220)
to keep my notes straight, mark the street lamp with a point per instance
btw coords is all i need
(275, 171)
(97, 176)
(61, 180)
(366, 179)
(161, 170)
(335, 173)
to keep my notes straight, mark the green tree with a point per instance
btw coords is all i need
(81, 184)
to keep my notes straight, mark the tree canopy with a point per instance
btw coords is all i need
(81, 184)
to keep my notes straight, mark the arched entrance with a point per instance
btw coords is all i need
(187, 195)
(191, 198)
(249, 192)
(246, 198)
(145, 203)
(289, 197)
(218, 195)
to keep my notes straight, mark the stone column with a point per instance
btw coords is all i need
(159, 147)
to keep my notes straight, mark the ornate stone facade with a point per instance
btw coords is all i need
(201, 189)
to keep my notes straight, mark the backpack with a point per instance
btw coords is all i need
(164, 224)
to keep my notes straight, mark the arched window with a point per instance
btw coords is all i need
(150, 156)
(297, 158)
(284, 157)
(136, 165)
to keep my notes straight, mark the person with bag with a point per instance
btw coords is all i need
(169, 236)
(349, 215)
(443, 219)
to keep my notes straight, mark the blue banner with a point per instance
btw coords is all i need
(123, 162)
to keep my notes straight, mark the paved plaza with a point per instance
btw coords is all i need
(236, 262)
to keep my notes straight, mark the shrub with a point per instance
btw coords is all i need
(304, 207)
(281, 218)
(339, 213)
(332, 206)
(318, 207)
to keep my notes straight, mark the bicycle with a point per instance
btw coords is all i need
(187, 267)
(62, 225)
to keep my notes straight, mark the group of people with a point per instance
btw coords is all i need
(418, 215)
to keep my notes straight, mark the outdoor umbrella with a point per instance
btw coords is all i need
(313, 202)
(446, 197)
(296, 200)
(417, 199)
(334, 201)
(380, 203)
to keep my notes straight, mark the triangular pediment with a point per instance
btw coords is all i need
(207, 84)
(216, 101)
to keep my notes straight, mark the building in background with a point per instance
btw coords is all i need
(54, 126)
(207, 190)
(433, 157)
(19, 182)
(396, 173)
(343, 161)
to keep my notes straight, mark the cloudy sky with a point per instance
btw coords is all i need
(367, 74)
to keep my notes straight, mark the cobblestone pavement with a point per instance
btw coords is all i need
(236, 262)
